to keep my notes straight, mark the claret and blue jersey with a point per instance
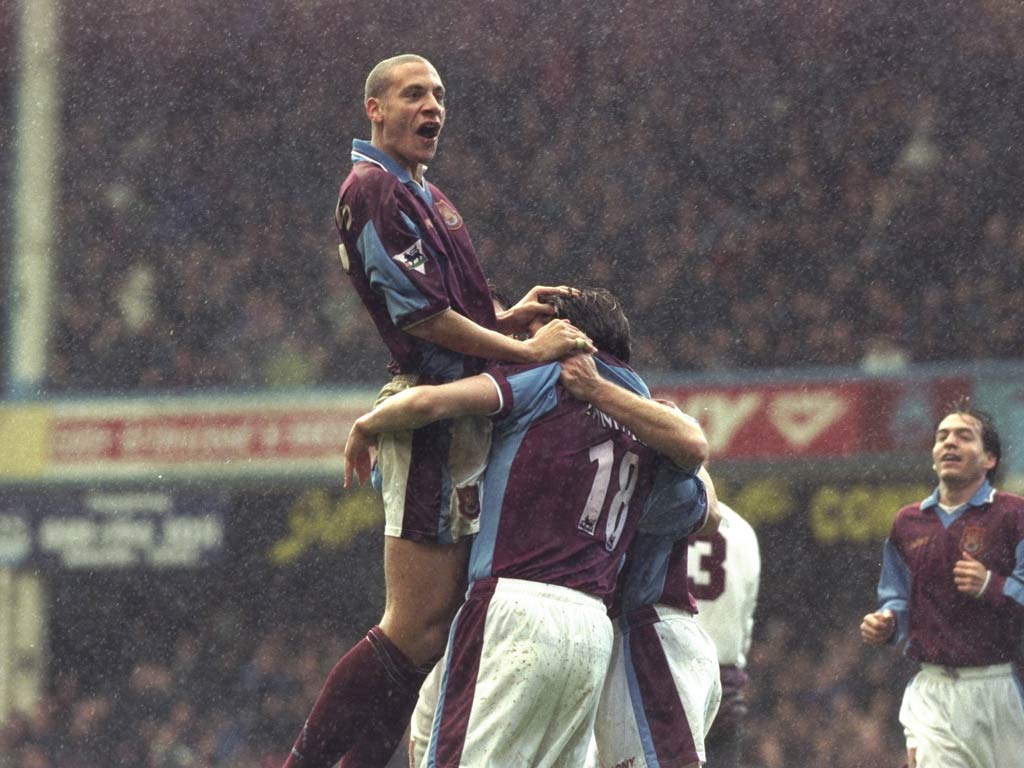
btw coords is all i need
(409, 256)
(943, 625)
(566, 486)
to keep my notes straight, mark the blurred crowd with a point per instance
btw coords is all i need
(224, 698)
(832, 704)
(765, 184)
(217, 699)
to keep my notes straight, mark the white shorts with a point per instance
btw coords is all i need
(968, 717)
(429, 475)
(522, 679)
(661, 694)
(423, 716)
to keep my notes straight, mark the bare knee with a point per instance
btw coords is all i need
(425, 587)
(420, 633)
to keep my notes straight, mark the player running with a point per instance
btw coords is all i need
(952, 587)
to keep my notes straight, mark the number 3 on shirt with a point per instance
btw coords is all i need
(706, 566)
(604, 455)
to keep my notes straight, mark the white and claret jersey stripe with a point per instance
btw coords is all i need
(725, 570)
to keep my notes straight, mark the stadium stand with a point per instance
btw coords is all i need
(224, 698)
(772, 187)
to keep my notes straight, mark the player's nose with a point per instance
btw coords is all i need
(431, 104)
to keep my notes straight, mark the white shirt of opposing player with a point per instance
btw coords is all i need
(724, 575)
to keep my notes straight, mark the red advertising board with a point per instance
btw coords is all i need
(817, 419)
(217, 436)
(305, 434)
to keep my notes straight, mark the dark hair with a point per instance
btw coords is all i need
(597, 313)
(990, 441)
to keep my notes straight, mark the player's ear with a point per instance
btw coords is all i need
(374, 107)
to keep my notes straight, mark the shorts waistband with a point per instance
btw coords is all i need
(533, 589)
(969, 673)
(652, 614)
(406, 379)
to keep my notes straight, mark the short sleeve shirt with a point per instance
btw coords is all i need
(409, 256)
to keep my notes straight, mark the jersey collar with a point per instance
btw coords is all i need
(364, 152)
(984, 495)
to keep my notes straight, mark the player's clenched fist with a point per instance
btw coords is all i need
(970, 576)
(579, 375)
(877, 627)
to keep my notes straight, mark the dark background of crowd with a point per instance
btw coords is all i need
(217, 668)
(766, 184)
(212, 696)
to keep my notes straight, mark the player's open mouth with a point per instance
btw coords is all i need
(429, 130)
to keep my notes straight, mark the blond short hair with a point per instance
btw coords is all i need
(379, 79)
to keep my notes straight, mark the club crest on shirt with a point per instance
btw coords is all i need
(451, 217)
(972, 539)
(413, 258)
(467, 499)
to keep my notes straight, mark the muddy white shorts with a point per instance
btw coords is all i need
(967, 717)
(522, 679)
(423, 716)
(661, 694)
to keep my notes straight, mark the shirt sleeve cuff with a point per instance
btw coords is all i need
(984, 587)
(993, 589)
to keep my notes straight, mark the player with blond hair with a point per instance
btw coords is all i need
(409, 257)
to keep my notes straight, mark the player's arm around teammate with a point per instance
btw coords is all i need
(637, 717)
(412, 408)
(663, 427)
(410, 259)
(453, 331)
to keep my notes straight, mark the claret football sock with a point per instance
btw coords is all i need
(386, 727)
(364, 706)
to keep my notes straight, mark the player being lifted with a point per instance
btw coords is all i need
(409, 256)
